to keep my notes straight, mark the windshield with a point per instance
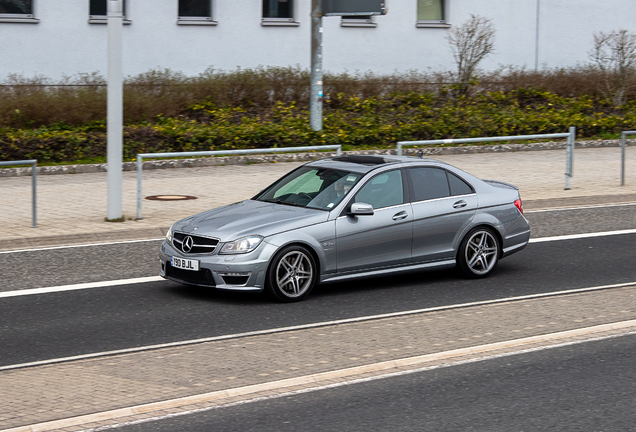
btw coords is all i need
(313, 187)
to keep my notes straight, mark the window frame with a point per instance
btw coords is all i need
(103, 19)
(197, 20)
(282, 22)
(443, 23)
(21, 18)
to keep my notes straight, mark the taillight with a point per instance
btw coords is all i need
(519, 205)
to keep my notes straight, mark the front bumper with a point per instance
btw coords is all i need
(239, 272)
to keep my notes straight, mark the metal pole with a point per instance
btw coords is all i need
(536, 41)
(315, 98)
(34, 174)
(140, 161)
(115, 109)
(569, 157)
(623, 143)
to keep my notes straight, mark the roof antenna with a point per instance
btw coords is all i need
(420, 154)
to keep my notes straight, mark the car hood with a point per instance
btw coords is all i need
(250, 217)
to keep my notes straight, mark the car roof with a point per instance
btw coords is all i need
(366, 163)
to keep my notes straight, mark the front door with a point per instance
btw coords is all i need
(382, 239)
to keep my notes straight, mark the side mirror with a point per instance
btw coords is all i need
(361, 209)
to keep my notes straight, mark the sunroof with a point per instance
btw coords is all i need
(363, 159)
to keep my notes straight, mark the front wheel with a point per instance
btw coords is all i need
(478, 253)
(292, 274)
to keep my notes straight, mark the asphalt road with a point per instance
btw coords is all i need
(45, 326)
(583, 387)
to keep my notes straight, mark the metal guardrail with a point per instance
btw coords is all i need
(569, 163)
(34, 175)
(623, 145)
(142, 156)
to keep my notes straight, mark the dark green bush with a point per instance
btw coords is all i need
(348, 120)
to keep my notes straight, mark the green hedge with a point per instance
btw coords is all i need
(350, 121)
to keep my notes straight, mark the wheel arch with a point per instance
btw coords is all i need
(483, 224)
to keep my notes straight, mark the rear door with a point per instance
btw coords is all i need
(384, 238)
(443, 205)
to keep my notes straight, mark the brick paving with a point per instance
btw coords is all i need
(72, 207)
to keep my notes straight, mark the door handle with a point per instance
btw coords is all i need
(400, 215)
(460, 204)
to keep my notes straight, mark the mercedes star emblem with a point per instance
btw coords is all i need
(187, 244)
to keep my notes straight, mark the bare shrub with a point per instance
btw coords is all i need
(470, 43)
(614, 55)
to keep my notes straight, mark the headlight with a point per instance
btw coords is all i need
(169, 234)
(242, 245)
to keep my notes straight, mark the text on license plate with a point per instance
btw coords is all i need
(185, 264)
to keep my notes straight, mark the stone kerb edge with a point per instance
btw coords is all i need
(292, 157)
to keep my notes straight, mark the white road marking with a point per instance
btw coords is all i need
(80, 286)
(581, 236)
(79, 246)
(314, 325)
(579, 208)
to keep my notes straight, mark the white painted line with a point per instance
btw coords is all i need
(312, 325)
(79, 246)
(582, 236)
(579, 208)
(415, 363)
(74, 287)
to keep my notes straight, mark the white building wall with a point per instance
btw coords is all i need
(64, 43)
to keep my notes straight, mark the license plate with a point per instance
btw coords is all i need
(185, 264)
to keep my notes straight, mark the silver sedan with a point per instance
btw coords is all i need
(349, 217)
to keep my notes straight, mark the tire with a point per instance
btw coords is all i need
(292, 274)
(478, 253)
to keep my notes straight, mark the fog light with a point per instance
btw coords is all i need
(235, 278)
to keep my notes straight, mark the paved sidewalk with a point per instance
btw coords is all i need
(61, 391)
(72, 207)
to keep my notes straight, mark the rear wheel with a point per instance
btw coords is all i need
(292, 274)
(478, 253)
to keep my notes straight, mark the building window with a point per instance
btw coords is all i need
(279, 13)
(98, 12)
(358, 21)
(20, 11)
(431, 13)
(195, 12)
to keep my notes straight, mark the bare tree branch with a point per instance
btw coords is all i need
(614, 55)
(470, 43)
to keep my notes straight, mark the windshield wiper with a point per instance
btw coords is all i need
(277, 201)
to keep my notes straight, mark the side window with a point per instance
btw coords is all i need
(428, 183)
(383, 190)
(20, 11)
(458, 186)
(195, 12)
(279, 13)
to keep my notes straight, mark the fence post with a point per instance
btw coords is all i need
(140, 161)
(569, 157)
(623, 143)
(34, 173)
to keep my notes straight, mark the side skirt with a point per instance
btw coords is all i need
(437, 265)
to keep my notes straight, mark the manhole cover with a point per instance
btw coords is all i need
(170, 197)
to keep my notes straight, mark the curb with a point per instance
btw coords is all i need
(296, 157)
(217, 397)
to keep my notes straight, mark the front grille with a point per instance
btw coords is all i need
(201, 277)
(200, 244)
